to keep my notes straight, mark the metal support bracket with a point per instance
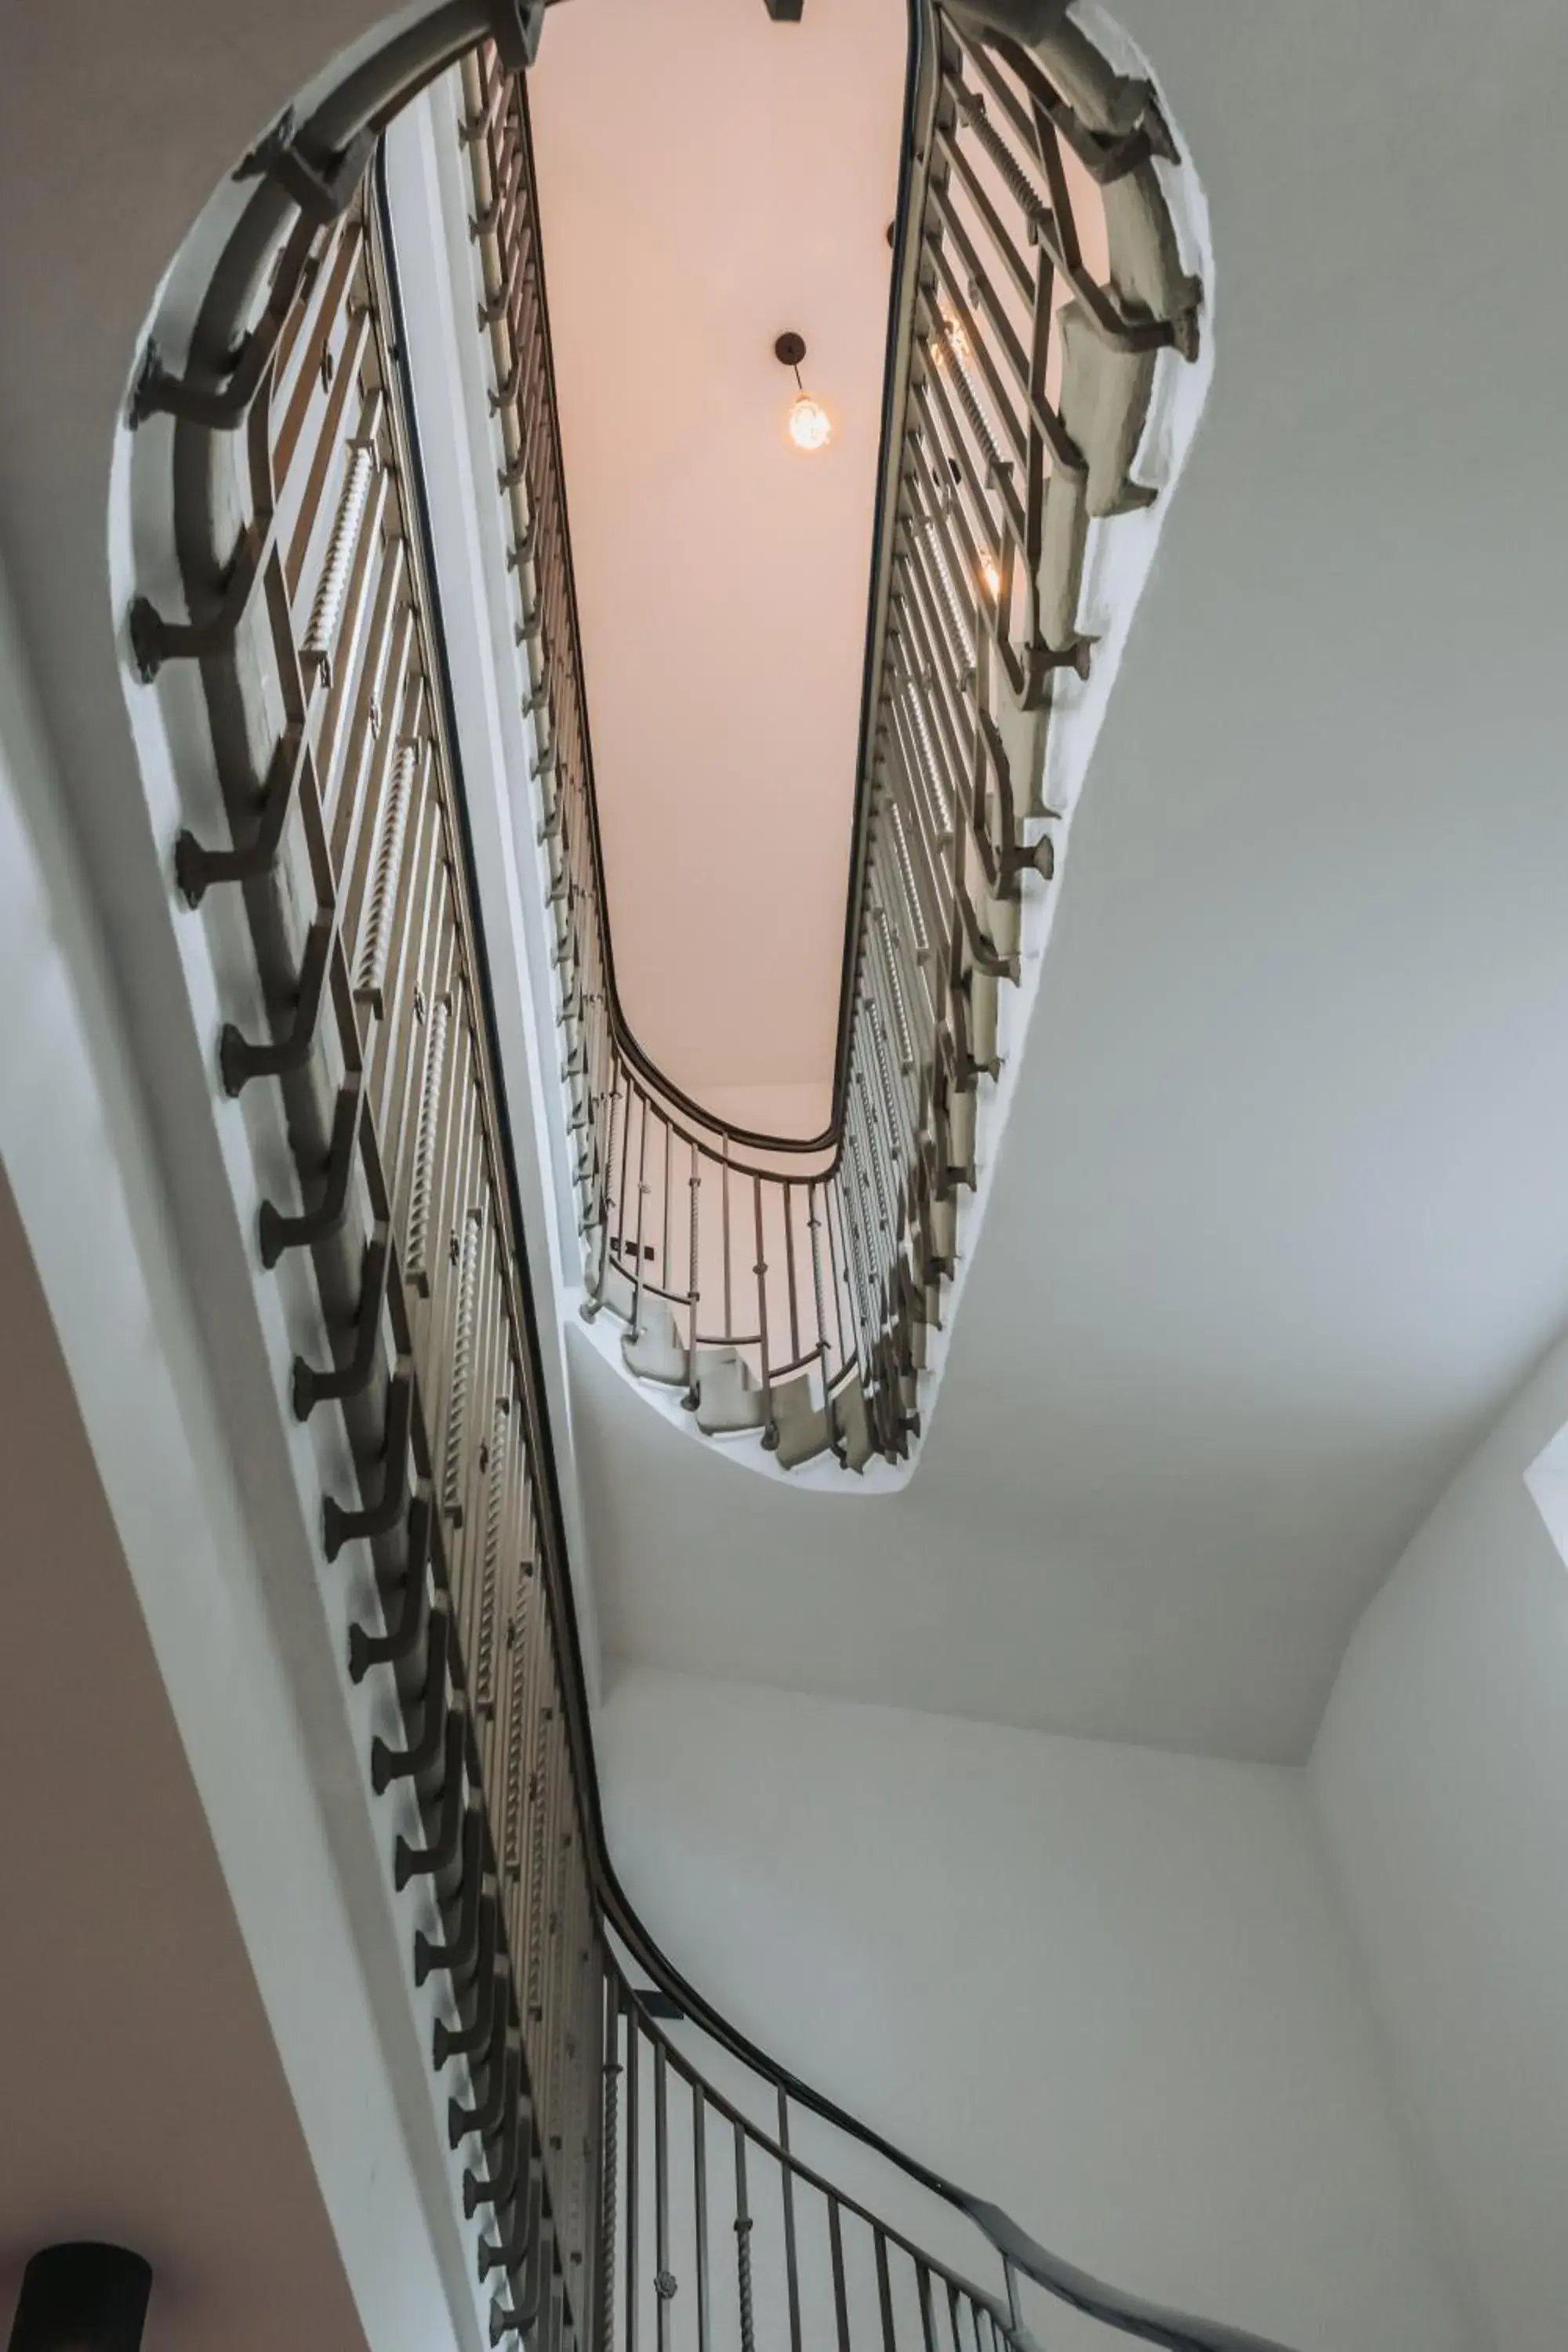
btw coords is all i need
(277, 1232)
(308, 1388)
(410, 1862)
(387, 1763)
(196, 867)
(154, 640)
(378, 1519)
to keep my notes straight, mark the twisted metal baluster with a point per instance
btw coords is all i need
(370, 985)
(1038, 214)
(885, 1073)
(607, 2214)
(327, 610)
(907, 866)
(484, 1672)
(900, 1011)
(744, 2246)
(511, 1843)
(425, 1146)
(962, 648)
(956, 369)
(536, 1792)
(914, 706)
(462, 1348)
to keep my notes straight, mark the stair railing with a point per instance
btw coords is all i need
(633, 2169)
(794, 1287)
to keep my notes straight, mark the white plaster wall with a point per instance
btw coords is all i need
(1441, 1769)
(1109, 1988)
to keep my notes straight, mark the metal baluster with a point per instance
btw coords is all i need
(900, 1011)
(792, 2273)
(425, 1146)
(457, 1396)
(489, 1568)
(327, 610)
(516, 1733)
(665, 1282)
(538, 1794)
(840, 2292)
(608, 2177)
(885, 2293)
(788, 1198)
(724, 1200)
(928, 2316)
(743, 2245)
(369, 985)
(634, 2071)
(664, 2281)
(699, 2196)
(642, 1217)
(770, 1431)
(957, 371)
(693, 1285)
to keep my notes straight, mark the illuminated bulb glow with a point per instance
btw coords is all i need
(951, 339)
(991, 573)
(809, 424)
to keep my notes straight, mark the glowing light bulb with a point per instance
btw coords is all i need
(810, 428)
(953, 340)
(991, 573)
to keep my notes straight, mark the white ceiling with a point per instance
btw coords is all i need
(1282, 1213)
(709, 179)
(143, 2101)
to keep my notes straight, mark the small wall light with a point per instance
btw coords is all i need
(809, 425)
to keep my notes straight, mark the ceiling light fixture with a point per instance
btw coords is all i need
(808, 424)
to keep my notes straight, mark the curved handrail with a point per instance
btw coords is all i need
(801, 1294)
(407, 1378)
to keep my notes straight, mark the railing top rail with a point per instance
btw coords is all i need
(913, 147)
(313, 173)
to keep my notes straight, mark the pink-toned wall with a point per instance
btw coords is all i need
(708, 179)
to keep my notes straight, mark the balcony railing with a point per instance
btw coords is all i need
(633, 2169)
(794, 1288)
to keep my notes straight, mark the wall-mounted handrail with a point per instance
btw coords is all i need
(319, 661)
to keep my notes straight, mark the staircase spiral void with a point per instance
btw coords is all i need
(632, 2170)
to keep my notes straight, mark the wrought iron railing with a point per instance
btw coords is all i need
(633, 2171)
(791, 1287)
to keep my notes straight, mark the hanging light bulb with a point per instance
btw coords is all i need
(991, 573)
(808, 424)
(810, 428)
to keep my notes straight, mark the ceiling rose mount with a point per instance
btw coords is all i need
(809, 425)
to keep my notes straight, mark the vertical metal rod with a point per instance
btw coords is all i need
(743, 2245)
(840, 2293)
(609, 2164)
(325, 611)
(693, 1285)
(634, 2070)
(771, 1433)
(699, 2196)
(642, 1214)
(885, 2293)
(663, 2284)
(392, 824)
(724, 1198)
(786, 2182)
(928, 2314)
(430, 1095)
(789, 1270)
(664, 1281)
